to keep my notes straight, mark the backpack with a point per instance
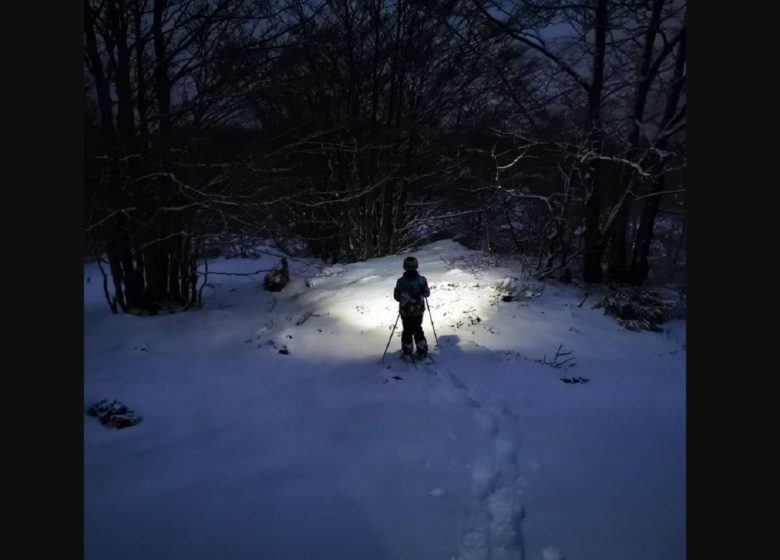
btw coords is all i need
(415, 305)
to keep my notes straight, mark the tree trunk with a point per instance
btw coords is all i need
(618, 258)
(639, 270)
(592, 272)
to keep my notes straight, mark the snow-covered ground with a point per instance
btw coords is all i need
(248, 453)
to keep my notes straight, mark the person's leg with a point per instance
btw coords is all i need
(419, 337)
(406, 335)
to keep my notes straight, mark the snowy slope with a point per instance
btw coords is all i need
(321, 453)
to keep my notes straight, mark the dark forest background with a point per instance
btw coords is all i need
(553, 132)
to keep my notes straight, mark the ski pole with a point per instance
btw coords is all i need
(430, 316)
(391, 338)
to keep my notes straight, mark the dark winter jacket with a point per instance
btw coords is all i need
(410, 291)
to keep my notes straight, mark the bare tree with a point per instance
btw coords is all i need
(351, 129)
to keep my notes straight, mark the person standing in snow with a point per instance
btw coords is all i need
(410, 292)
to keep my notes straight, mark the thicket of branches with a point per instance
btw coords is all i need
(551, 130)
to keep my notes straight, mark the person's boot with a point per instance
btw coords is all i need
(406, 351)
(422, 350)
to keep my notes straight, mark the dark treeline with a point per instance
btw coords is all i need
(553, 131)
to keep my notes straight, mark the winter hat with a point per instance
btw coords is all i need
(410, 263)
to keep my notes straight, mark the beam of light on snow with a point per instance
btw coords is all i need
(456, 306)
